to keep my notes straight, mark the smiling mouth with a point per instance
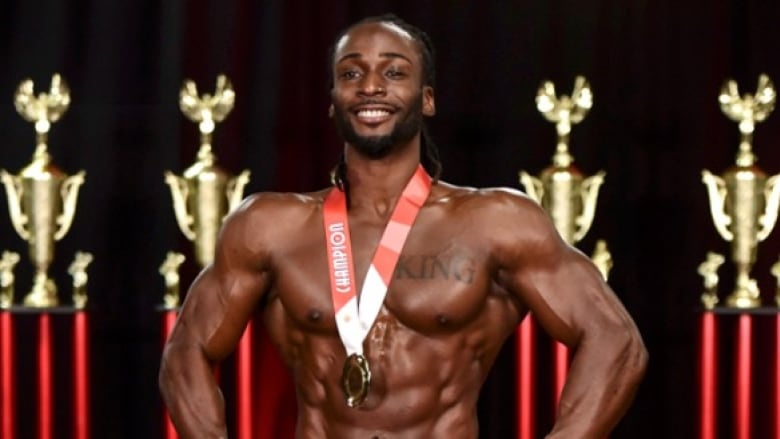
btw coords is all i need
(373, 115)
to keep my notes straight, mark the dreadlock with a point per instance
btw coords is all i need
(429, 152)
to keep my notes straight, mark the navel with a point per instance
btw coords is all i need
(443, 320)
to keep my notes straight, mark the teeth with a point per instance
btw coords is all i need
(373, 113)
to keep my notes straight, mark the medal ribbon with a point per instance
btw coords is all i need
(353, 324)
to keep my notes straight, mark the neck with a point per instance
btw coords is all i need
(378, 183)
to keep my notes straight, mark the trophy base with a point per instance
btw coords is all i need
(80, 301)
(170, 302)
(35, 301)
(742, 301)
(709, 300)
(43, 295)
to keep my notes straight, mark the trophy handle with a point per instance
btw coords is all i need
(772, 196)
(589, 191)
(70, 194)
(533, 186)
(716, 190)
(13, 189)
(235, 189)
(179, 194)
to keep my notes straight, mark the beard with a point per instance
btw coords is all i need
(377, 147)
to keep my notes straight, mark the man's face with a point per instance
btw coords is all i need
(378, 97)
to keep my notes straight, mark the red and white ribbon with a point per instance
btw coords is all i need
(355, 321)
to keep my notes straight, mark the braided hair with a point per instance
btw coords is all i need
(429, 152)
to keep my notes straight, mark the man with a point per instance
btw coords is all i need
(405, 356)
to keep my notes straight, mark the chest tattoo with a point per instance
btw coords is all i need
(440, 267)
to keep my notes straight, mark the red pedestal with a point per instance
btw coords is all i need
(708, 376)
(739, 373)
(561, 364)
(46, 402)
(743, 377)
(169, 319)
(244, 388)
(777, 378)
(44, 377)
(81, 376)
(7, 415)
(525, 379)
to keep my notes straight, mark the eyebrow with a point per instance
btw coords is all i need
(354, 55)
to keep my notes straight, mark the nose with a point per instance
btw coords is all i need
(373, 84)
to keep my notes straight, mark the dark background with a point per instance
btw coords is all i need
(655, 67)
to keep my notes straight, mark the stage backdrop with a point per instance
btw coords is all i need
(655, 68)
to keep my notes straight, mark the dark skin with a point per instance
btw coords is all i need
(475, 263)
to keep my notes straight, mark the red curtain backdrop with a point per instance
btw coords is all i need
(655, 69)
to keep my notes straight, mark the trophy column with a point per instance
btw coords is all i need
(744, 207)
(570, 200)
(202, 196)
(42, 204)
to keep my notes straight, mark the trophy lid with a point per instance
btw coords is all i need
(556, 169)
(751, 171)
(202, 170)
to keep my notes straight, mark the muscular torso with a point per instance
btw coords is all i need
(444, 320)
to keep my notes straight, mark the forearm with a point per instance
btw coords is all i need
(606, 370)
(191, 393)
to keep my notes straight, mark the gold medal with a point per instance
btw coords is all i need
(355, 379)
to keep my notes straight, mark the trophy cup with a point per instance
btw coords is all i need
(41, 199)
(743, 201)
(205, 193)
(561, 189)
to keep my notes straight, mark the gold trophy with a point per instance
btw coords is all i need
(78, 270)
(743, 201)
(41, 199)
(561, 189)
(709, 273)
(776, 273)
(170, 272)
(7, 263)
(205, 193)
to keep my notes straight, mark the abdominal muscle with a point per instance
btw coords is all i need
(422, 386)
(405, 415)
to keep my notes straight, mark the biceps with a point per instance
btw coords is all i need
(567, 296)
(217, 309)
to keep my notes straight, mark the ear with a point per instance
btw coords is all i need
(429, 103)
(331, 111)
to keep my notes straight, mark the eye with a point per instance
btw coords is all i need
(349, 74)
(394, 73)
